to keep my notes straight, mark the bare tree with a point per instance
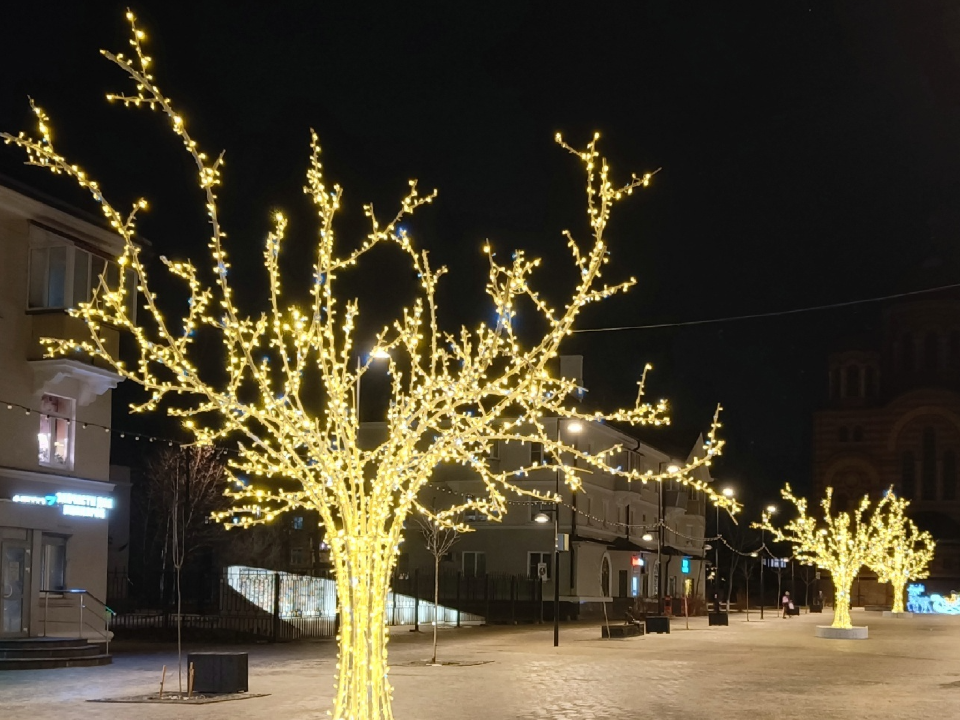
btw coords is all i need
(187, 485)
(438, 539)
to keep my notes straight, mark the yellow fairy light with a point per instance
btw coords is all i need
(452, 394)
(901, 552)
(841, 546)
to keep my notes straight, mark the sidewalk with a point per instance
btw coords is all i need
(773, 668)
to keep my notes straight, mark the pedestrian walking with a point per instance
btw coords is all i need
(787, 604)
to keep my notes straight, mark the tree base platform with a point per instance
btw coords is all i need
(832, 633)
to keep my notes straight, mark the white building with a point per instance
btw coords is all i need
(55, 490)
(606, 522)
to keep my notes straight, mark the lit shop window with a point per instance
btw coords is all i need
(55, 438)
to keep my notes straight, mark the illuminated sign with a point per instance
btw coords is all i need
(75, 504)
(917, 602)
(636, 561)
(685, 565)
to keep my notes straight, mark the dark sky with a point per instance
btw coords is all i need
(805, 150)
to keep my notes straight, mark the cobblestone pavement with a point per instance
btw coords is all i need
(770, 669)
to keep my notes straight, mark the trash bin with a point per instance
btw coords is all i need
(219, 672)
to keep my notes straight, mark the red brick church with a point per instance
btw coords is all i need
(893, 419)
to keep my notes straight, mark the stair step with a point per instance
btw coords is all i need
(48, 663)
(78, 650)
(47, 642)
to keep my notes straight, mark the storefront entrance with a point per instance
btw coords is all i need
(14, 588)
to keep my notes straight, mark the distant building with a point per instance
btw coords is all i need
(606, 522)
(56, 494)
(893, 420)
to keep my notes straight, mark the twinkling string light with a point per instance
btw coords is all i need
(838, 542)
(452, 394)
(902, 552)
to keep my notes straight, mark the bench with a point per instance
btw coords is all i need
(621, 631)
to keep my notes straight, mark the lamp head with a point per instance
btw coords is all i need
(575, 426)
(541, 517)
(647, 537)
(727, 492)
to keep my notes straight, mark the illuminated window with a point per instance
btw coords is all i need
(54, 440)
(53, 563)
(298, 522)
(534, 559)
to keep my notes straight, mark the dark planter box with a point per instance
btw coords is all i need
(621, 631)
(219, 672)
(816, 608)
(658, 624)
(719, 618)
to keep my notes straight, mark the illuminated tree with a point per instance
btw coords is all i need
(839, 543)
(901, 552)
(289, 394)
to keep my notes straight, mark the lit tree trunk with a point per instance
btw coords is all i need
(363, 567)
(899, 586)
(842, 582)
(436, 603)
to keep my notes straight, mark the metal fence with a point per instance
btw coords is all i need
(247, 603)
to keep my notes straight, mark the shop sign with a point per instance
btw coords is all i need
(75, 504)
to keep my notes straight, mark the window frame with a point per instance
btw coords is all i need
(52, 540)
(475, 555)
(70, 418)
(43, 240)
(542, 557)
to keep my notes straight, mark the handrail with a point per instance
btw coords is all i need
(80, 592)
(77, 591)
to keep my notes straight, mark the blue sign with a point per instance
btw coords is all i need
(685, 566)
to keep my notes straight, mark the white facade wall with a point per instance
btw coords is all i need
(83, 469)
(610, 519)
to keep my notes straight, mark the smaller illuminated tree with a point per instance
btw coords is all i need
(902, 552)
(840, 544)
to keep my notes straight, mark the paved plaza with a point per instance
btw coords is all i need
(909, 668)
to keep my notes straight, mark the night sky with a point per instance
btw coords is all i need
(809, 153)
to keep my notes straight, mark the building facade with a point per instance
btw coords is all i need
(893, 420)
(56, 495)
(611, 526)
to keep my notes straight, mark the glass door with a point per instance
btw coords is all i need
(14, 593)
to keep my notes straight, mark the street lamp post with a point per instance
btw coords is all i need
(670, 469)
(728, 493)
(376, 355)
(573, 427)
(766, 515)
